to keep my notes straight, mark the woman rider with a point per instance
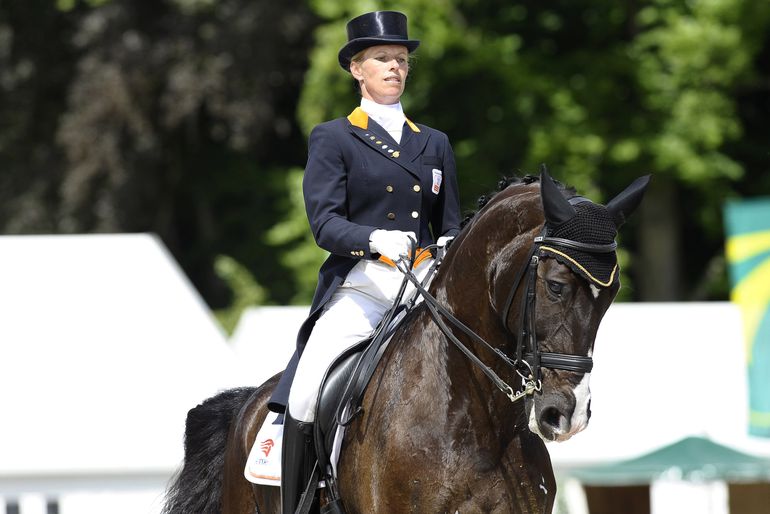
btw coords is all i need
(374, 180)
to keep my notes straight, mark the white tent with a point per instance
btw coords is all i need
(265, 338)
(105, 346)
(662, 372)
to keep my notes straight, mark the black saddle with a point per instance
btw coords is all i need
(344, 385)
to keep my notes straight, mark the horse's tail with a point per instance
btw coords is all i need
(197, 487)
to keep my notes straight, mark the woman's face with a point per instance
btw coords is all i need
(382, 71)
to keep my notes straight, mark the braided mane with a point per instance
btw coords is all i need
(501, 185)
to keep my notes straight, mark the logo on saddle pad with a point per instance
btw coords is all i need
(266, 446)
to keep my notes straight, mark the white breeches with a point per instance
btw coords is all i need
(351, 315)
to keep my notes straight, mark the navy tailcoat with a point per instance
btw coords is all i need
(359, 179)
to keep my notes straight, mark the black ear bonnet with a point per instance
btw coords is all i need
(591, 224)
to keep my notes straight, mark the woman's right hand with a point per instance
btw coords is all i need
(393, 244)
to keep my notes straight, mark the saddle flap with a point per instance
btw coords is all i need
(345, 383)
(335, 383)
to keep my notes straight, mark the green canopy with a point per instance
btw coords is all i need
(692, 458)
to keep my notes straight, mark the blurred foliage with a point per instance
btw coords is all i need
(188, 118)
(68, 5)
(295, 247)
(246, 291)
(175, 117)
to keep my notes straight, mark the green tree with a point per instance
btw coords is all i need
(294, 243)
(185, 118)
(246, 291)
(175, 117)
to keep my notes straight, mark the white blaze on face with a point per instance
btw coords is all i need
(582, 398)
(579, 420)
(533, 426)
(594, 290)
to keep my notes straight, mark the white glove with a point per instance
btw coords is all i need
(444, 240)
(393, 244)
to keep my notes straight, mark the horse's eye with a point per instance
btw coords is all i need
(555, 287)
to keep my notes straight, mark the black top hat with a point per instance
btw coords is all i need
(375, 28)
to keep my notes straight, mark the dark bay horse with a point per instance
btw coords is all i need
(531, 275)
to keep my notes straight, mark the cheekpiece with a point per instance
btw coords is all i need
(375, 28)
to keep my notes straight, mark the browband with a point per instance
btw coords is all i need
(576, 245)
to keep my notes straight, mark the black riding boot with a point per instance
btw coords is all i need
(297, 460)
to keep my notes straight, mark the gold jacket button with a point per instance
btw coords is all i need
(389, 189)
(416, 188)
(391, 216)
(415, 214)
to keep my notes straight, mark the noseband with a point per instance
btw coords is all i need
(529, 359)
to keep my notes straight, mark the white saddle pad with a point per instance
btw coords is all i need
(264, 464)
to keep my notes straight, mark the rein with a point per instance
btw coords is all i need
(437, 310)
(529, 359)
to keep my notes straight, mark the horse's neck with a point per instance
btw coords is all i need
(458, 388)
(497, 243)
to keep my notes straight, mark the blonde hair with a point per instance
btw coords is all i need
(359, 57)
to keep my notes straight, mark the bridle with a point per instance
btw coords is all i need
(527, 347)
(529, 358)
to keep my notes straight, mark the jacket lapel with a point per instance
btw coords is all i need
(377, 138)
(413, 140)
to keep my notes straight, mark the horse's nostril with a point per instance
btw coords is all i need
(552, 417)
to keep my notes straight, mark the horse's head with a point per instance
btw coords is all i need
(567, 286)
(545, 259)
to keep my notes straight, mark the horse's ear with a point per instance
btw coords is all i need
(621, 207)
(557, 209)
